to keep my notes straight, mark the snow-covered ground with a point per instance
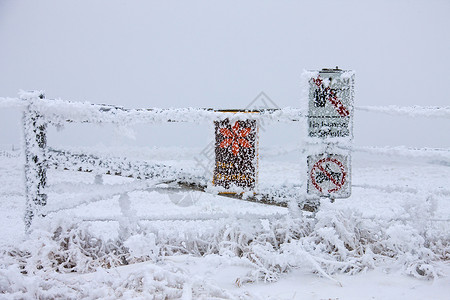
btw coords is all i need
(389, 240)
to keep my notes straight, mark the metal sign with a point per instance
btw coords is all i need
(236, 154)
(330, 116)
(329, 175)
(331, 104)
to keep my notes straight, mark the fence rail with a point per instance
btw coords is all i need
(410, 111)
(78, 111)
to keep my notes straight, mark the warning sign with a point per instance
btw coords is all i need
(329, 175)
(236, 154)
(331, 104)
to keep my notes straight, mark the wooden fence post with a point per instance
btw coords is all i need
(35, 129)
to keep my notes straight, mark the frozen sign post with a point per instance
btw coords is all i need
(330, 121)
(236, 155)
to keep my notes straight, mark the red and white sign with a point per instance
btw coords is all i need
(329, 94)
(328, 175)
(330, 104)
(236, 154)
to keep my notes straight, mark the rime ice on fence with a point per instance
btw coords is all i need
(35, 139)
(60, 111)
(79, 161)
(411, 111)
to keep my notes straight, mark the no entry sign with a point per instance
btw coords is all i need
(329, 175)
(236, 154)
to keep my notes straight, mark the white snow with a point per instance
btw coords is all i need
(389, 240)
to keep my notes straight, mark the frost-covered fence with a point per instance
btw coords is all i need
(39, 112)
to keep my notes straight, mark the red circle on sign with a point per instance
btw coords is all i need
(328, 175)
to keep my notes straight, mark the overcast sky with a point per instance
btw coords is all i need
(222, 54)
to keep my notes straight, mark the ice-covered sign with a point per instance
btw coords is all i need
(236, 154)
(329, 175)
(330, 107)
(330, 122)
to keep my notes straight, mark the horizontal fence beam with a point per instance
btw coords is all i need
(119, 166)
(223, 216)
(59, 111)
(144, 170)
(76, 112)
(192, 217)
(6, 102)
(409, 111)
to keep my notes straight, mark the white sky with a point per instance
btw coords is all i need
(222, 54)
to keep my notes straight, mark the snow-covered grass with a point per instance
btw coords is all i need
(392, 232)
